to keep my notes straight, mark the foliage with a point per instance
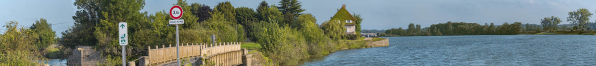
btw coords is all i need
(271, 14)
(245, 15)
(358, 22)
(44, 32)
(290, 9)
(190, 20)
(579, 18)
(303, 19)
(315, 38)
(263, 6)
(343, 14)
(458, 28)
(291, 6)
(550, 23)
(393, 31)
(17, 46)
(351, 37)
(282, 44)
(333, 29)
(15, 38)
(224, 30)
(111, 61)
(227, 10)
(201, 10)
(114, 12)
(17, 58)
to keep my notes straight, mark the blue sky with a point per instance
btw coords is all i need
(377, 14)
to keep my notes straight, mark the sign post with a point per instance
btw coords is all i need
(122, 31)
(176, 12)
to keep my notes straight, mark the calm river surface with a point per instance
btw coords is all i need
(501, 50)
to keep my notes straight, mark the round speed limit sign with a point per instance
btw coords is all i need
(176, 12)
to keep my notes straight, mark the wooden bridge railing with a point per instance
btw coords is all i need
(166, 54)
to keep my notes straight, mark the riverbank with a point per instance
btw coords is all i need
(260, 59)
(563, 33)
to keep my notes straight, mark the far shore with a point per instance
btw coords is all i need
(566, 32)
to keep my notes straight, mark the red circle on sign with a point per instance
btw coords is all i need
(181, 12)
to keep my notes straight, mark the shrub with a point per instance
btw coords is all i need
(17, 58)
(351, 37)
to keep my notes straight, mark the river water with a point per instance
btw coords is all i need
(500, 50)
(55, 62)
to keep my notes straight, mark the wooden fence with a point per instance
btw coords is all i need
(166, 54)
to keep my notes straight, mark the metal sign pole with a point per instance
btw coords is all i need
(123, 55)
(177, 42)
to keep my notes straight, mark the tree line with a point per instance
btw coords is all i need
(579, 21)
(457, 28)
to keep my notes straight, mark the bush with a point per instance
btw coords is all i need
(284, 45)
(351, 37)
(333, 29)
(17, 58)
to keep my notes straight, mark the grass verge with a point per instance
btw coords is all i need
(251, 46)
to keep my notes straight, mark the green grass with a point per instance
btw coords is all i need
(251, 46)
(377, 39)
(53, 52)
(361, 38)
(357, 44)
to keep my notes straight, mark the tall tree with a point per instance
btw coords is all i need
(418, 29)
(550, 23)
(201, 10)
(305, 18)
(290, 9)
(492, 29)
(227, 10)
(358, 22)
(271, 14)
(290, 6)
(245, 15)
(263, 6)
(45, 34)
(411, 29)
(579, 18)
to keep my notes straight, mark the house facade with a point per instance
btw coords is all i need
(343, 16)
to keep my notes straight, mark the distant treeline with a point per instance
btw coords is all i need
(579, 20)
(457, 28)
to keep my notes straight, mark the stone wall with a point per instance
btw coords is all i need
(84, 56)
(380, 43)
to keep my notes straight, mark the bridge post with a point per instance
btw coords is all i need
(147, 59)
(163, 53)
(246, 58)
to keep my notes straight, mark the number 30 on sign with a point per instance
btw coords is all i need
(176, 12)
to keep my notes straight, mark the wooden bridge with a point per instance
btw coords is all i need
(221, 54)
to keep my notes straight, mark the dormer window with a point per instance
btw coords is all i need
(349, 21)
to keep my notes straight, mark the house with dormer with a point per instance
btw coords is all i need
(343, 16)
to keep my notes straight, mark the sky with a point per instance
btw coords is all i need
(376, 14)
